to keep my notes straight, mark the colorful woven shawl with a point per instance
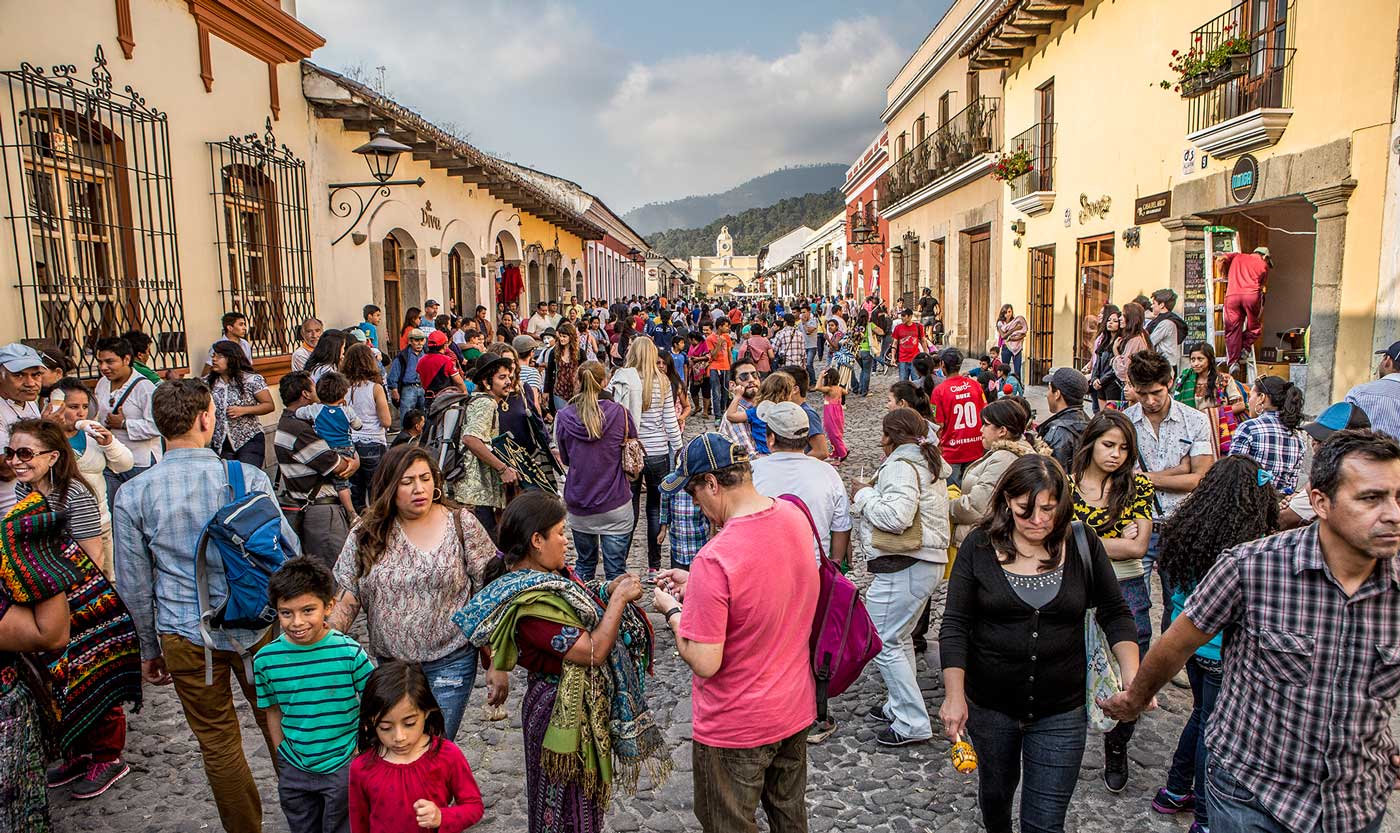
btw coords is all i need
(600, 730)
(101, 666)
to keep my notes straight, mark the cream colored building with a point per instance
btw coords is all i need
(1135, 186)
(944, 211)
(824, 254)
(726, 272)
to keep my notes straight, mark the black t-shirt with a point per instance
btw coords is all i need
(926, 305)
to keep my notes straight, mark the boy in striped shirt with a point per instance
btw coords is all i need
(309, 681)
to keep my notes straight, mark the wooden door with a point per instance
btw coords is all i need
(1045, 152)
(1095, 283)
(393, 299)
(1042, 313)
(979, 283)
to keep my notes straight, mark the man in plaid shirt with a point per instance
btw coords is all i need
(789, 343)
(1300, 738)
(687, 527)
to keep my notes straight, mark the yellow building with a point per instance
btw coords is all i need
(726, 272)
(1135, 187)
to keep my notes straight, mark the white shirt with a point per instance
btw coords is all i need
(537, 324)
(140, 433)
(299, 357)
(10, 413)
(816, 482)
(1184, 432)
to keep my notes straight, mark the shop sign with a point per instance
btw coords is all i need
(1088, 209)
(1244, 179)
(1152, 208)
(429, 220)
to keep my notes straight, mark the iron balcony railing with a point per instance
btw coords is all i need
(1039, 142)
(1260, 78)
(974, 131)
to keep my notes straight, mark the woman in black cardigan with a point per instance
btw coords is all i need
(1012, 645)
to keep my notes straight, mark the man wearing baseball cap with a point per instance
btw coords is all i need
(438, 369)
(750, 598)
(404, 383)
(1381, 399)
(21, 376)
(1067, 420)
(1338, 417)
(430, 314)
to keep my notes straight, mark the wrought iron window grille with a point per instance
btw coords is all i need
(95, 233)
(263, 237)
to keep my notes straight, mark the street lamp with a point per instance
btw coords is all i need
(381, 154)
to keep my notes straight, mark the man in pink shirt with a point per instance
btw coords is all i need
(1244, 298)
(750, 598)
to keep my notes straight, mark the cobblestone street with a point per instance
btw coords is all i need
(854, 784)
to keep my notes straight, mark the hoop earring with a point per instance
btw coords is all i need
(437, 495)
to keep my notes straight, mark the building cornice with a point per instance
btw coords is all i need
(946, 51)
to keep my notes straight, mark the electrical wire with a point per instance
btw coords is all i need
(1280, 230)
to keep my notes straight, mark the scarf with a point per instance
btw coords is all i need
(600, 730)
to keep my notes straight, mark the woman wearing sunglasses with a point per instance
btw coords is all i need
(44, 462)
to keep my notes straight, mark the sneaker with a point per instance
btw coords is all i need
(890, 737)
(100, 777)
(66, 772)
(1197, 827)
(821, 730)
(1169, 805)
(877, 715)
(1115, 766)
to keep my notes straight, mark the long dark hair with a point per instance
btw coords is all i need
(1103, 340)
(329, 351)
(1285, 397)
(1120, 482)
(905, 425)
(238, 364)
(64, 472)
(1028, 476)
(391, 682)
(1005, 308)
(1133, 317)
(1227, 508)
(1009, 414)
(377, 521)
(532, 513)
(924, 366)
(912, 397)
(412, 317)
(1206, 349)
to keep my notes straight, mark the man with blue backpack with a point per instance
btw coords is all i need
(196, 539)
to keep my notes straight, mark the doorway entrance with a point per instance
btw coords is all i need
(1042, 312)
(1095, 281)
(979, 286)
(393, 296)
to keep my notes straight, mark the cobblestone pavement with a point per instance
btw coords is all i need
(853, 784)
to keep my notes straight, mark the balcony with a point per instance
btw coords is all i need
(953, 155)
(1034, 191)
(1245, 104)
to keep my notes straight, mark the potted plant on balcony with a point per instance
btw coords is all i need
(977, 127)
(1014, 165)
(1199, 69)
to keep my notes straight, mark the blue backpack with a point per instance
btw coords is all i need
(246, 533)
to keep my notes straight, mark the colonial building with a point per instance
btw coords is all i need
(1134, 187)
(783, 265)
(867, 231)
(943, 209)
(726, 272)
(825, 257)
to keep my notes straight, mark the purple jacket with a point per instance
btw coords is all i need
(596, 483)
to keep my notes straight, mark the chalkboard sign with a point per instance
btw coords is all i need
(1195, 306)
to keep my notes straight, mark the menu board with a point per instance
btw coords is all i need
(1194, 306)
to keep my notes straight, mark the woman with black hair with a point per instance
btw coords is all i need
(240, 397)
(1272, 438)
(1004, 424)
(907, 395)
(327, 356)
(1103, 382)
(1132, 339)
(866, 344)
(1237, 490)
(1013, 644)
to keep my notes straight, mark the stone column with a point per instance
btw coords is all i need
(1328, 248)
(1185, 234)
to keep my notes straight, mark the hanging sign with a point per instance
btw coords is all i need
(1244, 179)
(1152, 208)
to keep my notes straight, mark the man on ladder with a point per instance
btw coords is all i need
(1247, 275)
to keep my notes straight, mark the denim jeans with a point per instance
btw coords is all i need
(895, 601)
(370, 455)
(654, 470)
(410, 397)
(1235, 809)
(1188, 771)
(1140, 603)
(719, 391)
(451, 679)
(730, 784)
(1044, 755)
(811, 365)
(613, 549)
(866, 361)
(906, 371)
(1014, 361)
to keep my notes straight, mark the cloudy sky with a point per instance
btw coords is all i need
(636, 101)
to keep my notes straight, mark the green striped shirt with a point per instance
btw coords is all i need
(318, 688)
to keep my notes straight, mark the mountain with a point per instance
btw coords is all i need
(751, 229)
(690, 212)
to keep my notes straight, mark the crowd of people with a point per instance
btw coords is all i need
(462, 480)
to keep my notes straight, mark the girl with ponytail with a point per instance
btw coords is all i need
(1272, 438)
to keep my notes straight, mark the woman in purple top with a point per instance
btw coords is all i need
(590, 432)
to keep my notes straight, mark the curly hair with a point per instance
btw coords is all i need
(1227, 509)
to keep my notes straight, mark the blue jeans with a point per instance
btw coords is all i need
(613, 549)
(1188, 771)
(370, 455)
(866, 361)
(811, 366)
(1235, 809)
(410, 397)
(906, 371)
(1140, 603)
(719, 391)
(1044, 755)
(1013, 360)
(451, 678)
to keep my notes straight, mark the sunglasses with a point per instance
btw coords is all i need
(24, 455)
(744, 377)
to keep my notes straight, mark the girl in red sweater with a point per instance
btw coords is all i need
(408, 776)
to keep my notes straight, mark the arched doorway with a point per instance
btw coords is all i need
(461, 280)
(551, 283)
(393, 295)
(506, 282)
(535, 293)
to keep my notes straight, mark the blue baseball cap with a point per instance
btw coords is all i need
(706, 453)
(1338, 417)
(16, 357)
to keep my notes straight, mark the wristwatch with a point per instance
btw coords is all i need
(672, 612)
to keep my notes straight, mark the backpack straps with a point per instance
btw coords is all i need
(1081, 545)
(807, 513)
(821, 679)
(234, 470)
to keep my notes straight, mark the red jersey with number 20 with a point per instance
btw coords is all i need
(957, 407)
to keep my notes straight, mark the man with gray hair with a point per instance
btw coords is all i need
(311, 330)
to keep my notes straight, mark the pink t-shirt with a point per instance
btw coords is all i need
(759, 600)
